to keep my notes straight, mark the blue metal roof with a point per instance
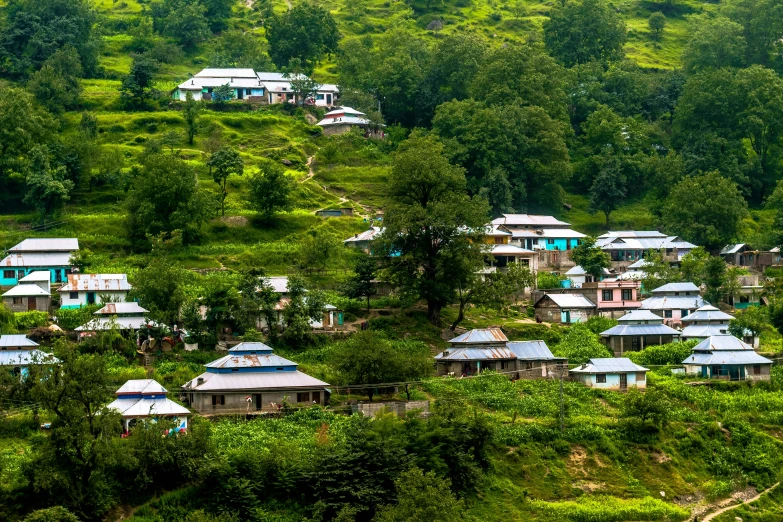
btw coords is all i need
(609, 365)
(722, 343)
(250, 348)
(672, 302)
(640, 329)
(640, 315)
(726, 357)
(531, 350)
(476, 354)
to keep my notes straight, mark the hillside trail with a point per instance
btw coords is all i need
(365, 211)
(310, 171)
(722, 510)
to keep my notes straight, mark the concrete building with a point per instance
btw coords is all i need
(564, 308)
(626, 246)
(489, 349)
(18, 352)
(126, 316)
(33, 293)
(727, 358)
(611, 374)
(145, 400)
(673, 302)
(637, 330)
(708, 321)
(87, 289)
(252, 378)
(31, 255)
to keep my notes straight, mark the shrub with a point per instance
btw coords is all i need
(31, 319)
(672, 353)
(70, 318)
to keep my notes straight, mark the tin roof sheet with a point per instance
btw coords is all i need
(26, 290)
(708, 313)
(26, 357)
(640, 315)
(271, 76)
(96, 282)
(570, 300)
(639, 264)
(104, 322)
(47, 244)
(147, 407)
(476, 354)
(143, 386)
(253, 381)
(609, 365)
(722, 342)
(481, 335)
(531, 350)
(367, 235)
(732, 249)
(672, 302)
(676, 287)
(726, 357)
(250, 346)
(529, 220)
(37, 276)
(36, 259)
(16, 341)
(228, 72)
(343, 120)
(510, 250)
(625, 330)
(250, 361)
(702, 331)
(131, 307)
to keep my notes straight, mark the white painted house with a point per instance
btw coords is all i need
(87, 289)
(145, 400)
(616, 373)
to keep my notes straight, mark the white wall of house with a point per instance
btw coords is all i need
(80, 298)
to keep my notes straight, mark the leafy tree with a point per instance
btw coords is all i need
(580, 345)
(651, 405)
(137, 87)
(362, 284)
(548, 280)
(715, 43)
(223, 164)
(191, 113)
(23, 126)
(422, 497)
(426, 218)
(658, 271)
(270, 190)
(160, 288)
(187, 24)
(715, 279)
(590, 257)
(608, 190)
(304, 305)
(307, 32)
(223, 93)
(52, 514)
(47, 188)
(71, 465)
(753, 320)
(7, 320)
(664, 354)
(713, 213)
(164, 197)
(657, 22)
(302, 86)
(693, 266)
(583, 31)
(237, 48)
(57, 84)
(368, 358)
(762, 24)
(318, 248)
(34, 30)
(494, 290)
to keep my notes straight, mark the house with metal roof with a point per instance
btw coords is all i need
(564, 308)
(578, 276)
(363, 241)
(343, 119)
(489, 349)
(727, 358)
(331, 319)
(637, 330)
(243, 82)
(146, 400)
(503, 256)
(38, 254)
(252, 378)
(618, 373)
(87, 289)
(124, 316)
(19, 352)
(529, 222)
(33, 293)
(708, 321)
(673, 302)
(632, 245)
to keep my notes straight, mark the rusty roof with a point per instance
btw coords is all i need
(37, 259)
(96, 282)
(250, 361)
(481, 336)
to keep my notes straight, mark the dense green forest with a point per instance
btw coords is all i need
(633, 114)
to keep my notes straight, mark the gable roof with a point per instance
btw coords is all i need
(143, 386)
(732, 249)
(37, 277)
(253, 381)
(480, 335)
(568, 300)
(47, 244)
(348, 111)
(529, 220)
(708, 313)
(131, 307)
(702, 331)
(96, 282)
(622, 330)
(510, 250)
(232, 72)
(725, 342)
(676, 287)
(250, 347)
(640, 315)
(367, 235)
(672, 302)
(609, 365)
(26, 290)
(16, 341)
(37, 259)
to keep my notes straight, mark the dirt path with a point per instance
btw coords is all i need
(748, 501)
(310, 171)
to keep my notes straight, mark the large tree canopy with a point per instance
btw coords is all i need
(307, 31)
(584, 31)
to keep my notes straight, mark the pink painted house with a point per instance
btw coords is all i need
(615, 298)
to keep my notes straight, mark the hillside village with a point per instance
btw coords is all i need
(391, 261)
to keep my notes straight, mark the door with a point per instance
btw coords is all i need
(259, 402)
(329, 99)
(30, 303)
(565, 316)
(240, 94)
(90, 297)
(623, 381)
(317, 397)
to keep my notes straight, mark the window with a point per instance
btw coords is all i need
(550, 241)
(684, 313)
(218, 400)
(640, 377)
(744, 299)
(303, 397)
(528, 365)
(756, 369)
(676, 293)
(73, 295)
(627, 294)
(607, 295)
(499, 241)
(8, 274)
(248, 92)
(600, 377)
(319, 96)
(503, 365)
(667, 314)
(279, 369)
(17, 300)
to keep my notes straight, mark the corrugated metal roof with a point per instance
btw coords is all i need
(16, 341)
(253, 381)
(47, 244)
(250, 347)
(570, 300)
(480, 336)
(609, 365)
(720, 343)
(229, 72)
(367, 235)
(96, 282)
(143, 386)
(641, 315)
(726, 357)
(270, 76)
(26, 290)
(37, 260)
(343, 120)
(197, 84)
(103, 322)
(476, 354)
(250, 361)
(702, 331)
(625, 330)
(529, 220)
(708, 313)
(131, 307)
(278, 283)
(531, 350)
(26, 357)
(676, 287)
(37, 277)
(510, 250)
(672, 302)
(639, 264)
(344, 110)
(147, 407)
(732, 249)
(632, 234)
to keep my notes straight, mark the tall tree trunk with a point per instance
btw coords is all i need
(433, 312)
(460, 315)
(368, 302)
(607, 218)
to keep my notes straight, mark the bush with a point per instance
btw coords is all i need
(32, 319)
(672, 353)
(610, 509)
(548, 280)
(71, 318)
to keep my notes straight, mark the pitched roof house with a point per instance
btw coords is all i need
(611, 374)
(87, 289)
(638, 329)
(145, 399)
(726, 357)
(19, 352)
(35, 254)
(489, 349)
(126, 316)
(632, 245)
(252, 378)
(564, 308)
(343, 119)
(32, 293)
(708, 321)
(674, 301)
